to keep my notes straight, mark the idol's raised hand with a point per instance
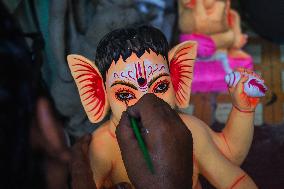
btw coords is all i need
(240, 99)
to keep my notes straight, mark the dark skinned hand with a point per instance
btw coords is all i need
(81, 173)
(168, 141)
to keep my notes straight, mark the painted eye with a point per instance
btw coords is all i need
(124, 96)
(161, 87)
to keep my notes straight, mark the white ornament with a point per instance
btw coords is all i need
(253, 87)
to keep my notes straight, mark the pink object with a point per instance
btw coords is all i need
(209, 75)
(206, 46)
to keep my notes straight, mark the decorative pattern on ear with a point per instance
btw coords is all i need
(182, 59)
(90, 86)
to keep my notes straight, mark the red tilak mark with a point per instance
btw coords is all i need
(139, 69)
(136, 72)
(254, 82)
(237, 181)
(144, 72)
(90, 78)
(226, 142)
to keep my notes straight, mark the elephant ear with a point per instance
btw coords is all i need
(182, 58)
(90, 86)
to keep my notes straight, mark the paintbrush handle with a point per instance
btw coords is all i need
(141, 144)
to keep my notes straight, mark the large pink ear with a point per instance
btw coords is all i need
(182, 59)
(91, 87)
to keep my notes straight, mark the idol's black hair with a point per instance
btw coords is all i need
(125, 41)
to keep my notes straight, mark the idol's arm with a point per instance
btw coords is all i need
(238, 131)
(238, 134)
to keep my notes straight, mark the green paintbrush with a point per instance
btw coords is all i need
(141, 143)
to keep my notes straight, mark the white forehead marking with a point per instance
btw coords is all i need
(129, 73)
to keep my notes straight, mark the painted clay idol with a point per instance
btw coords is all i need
(131, 62)
(217, 29)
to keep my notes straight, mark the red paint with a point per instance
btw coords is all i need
(230, 19)
(111, 134)
(226, 142)
(191, 4)
(238, 180)
(244, 111)
(141, 76)
(180, 73)
(255, 83)
(89, 77)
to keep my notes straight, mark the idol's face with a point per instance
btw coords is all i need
(126, 82)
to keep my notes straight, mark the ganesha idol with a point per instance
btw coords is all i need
(216, 28)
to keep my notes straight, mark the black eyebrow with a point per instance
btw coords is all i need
(124, 83)
(156, 78)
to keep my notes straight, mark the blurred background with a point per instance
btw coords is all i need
(41, 113)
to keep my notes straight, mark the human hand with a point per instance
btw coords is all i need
(168, 141)
(240, 99)
(81, 173)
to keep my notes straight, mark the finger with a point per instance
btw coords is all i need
(240, 84)
(81, 173)
(82, 144)
(145, 103)
(131, 151)
(123, 130)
